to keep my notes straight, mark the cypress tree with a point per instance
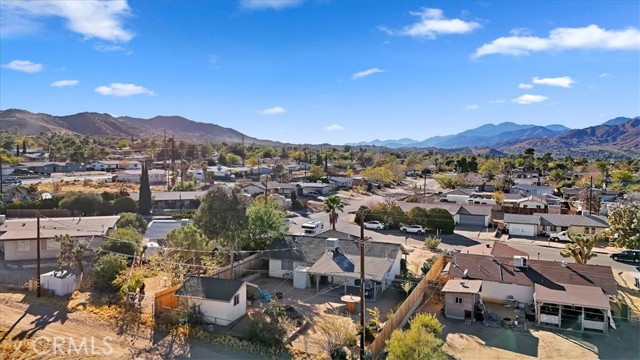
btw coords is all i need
(144, 202)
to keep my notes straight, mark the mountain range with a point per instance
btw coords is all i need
(619, 136)
(105, 125)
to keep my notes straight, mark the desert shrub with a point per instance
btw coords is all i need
(82, 202)
(427, 321)
(431, 242)
(107, 268)
(124, 205)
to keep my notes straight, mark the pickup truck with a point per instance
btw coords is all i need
(561, 236)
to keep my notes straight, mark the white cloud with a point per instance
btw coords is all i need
(604, 75)
(112, 48)
(120, 90)
(524, 86)
(365, 73)
(64, 83)
(563, 81)
(269, 4)
(273, 110)
(499, 101)
(559, 39)
(433, 23)
(24, 66)
(333, 127)
(527, 99)
(98, 19)
(472, 107)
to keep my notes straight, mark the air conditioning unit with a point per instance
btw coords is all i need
(286, 275)
(520, 261)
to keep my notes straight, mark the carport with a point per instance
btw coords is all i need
(574, 307)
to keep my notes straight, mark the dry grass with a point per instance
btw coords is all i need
(98, 186)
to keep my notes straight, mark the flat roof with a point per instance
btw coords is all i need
(573, 295)
(462, 286)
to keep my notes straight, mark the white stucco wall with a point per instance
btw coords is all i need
(275, 270)
(522, 229)
(220, 312)
(459, 199)
(498, 292)
(531, 204)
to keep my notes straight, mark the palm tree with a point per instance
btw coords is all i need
(331, 204)
(203, 166)
(580, 248)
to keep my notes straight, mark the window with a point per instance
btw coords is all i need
(52, 244)
(458, 300)
(593, 230)
(24, 245)
(286, 265)
(236, 299)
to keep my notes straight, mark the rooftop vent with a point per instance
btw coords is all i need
(520, 261)
(564, 264)
(332, 244)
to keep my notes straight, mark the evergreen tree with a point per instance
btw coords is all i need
(144, 202)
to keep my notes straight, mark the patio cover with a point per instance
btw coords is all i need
(573, 295)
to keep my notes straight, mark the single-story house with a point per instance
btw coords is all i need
(35, 156)
(494, 248)
(221, 301)
(335, 261)
(533, 225)
(107, 165)
(254, 188)
(525, 189)
(459, 195)
(461, 298)
(463, 214)
(321, 188)
(173, 200)
(52, 167)
(339, 182)
(531, 202)
(18, 238)
(564, 292)
(133, 176)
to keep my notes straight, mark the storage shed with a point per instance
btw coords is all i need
(59, 282)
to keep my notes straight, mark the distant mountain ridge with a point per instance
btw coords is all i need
(103, 125)
(485, 135)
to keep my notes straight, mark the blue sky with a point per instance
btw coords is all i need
(326, 71)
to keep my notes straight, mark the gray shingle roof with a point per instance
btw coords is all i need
(209, 288)
(522, 219)
(158, 229)
(547, 273)
(375, 267)
(309, 249)
(575, 220)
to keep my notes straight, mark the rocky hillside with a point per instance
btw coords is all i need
(95, 124)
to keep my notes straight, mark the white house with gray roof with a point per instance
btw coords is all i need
(536, 224)
(331, 262)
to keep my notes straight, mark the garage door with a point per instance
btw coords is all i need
(522, 229)
(472, 220)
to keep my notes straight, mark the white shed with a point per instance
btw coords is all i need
(60, 282)
(301, 278)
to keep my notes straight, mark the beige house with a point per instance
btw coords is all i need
(18, 237)
(461, 298)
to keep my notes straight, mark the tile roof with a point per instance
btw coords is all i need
(495, 248)
(209, 288)
(547, 273)
(23, 229)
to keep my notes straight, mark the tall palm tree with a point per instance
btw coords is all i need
(331, 204)
(580, 248)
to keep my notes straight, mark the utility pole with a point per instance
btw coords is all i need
(590, 195)
(38, 292)
(164, 159)
(360, 243)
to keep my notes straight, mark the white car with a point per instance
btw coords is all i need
(413, 229)
(561, 236)
(375, 225)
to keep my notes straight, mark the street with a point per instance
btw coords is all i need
(463, 236)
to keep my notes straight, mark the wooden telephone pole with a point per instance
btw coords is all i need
(38, 291)
(360, 242)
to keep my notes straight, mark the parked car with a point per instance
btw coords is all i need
(561, 236)
(413, 229)
(627, 255)
(375, 225)
(312, 194)
(11, 181)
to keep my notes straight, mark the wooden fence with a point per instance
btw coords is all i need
(406, 310)
(253, 262)
(165, 300)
